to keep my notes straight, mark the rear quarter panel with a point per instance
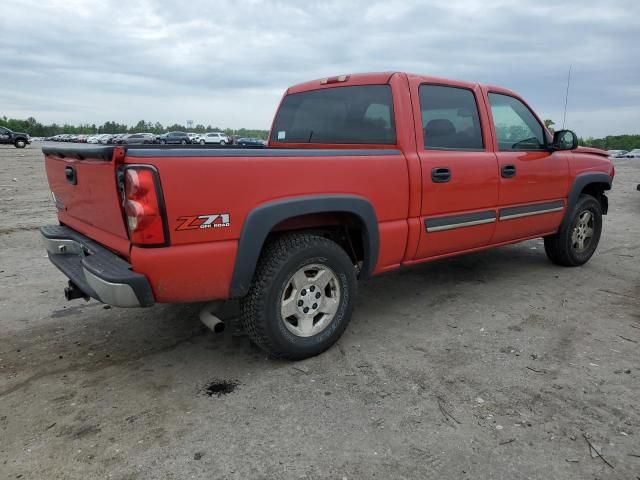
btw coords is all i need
(199, 263)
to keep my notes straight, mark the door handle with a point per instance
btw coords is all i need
(440, 175)
(508, 171)
(70, 174)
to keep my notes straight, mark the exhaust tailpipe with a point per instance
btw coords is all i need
(207, 317)
(73, 291)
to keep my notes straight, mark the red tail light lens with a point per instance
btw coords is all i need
(142, 207)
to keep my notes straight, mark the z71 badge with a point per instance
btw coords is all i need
(215, 220)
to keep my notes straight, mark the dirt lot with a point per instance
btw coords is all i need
(492, 365)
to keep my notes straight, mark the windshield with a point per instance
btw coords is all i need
(347, 115)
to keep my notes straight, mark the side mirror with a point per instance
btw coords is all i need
(565, 140)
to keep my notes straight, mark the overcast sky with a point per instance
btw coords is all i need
(228, 63)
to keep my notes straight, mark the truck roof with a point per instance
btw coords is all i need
(382, 78)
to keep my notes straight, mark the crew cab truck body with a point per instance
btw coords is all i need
(363, 174)
(18, 139)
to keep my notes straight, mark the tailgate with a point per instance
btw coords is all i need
(83, 182)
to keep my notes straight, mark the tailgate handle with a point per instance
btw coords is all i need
(70, 174)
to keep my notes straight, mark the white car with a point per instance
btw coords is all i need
(616, 153)
(214, 137)
(93, 139)
(635, 153)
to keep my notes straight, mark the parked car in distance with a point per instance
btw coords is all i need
(215, 138)
(175, 138)
(117, 138)
(251, 142)
(289, 230)
(635, 153)
(139, 139)
(17, 139)
(616, 153)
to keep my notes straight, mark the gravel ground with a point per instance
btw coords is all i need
(491, 365)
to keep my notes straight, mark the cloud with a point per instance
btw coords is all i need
(227, 63)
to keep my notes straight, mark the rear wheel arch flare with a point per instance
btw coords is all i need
(261, 221)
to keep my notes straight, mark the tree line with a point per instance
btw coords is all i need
(38, 129)
(610, 142)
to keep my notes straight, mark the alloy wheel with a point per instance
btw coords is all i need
(310, 300)
(582, 232)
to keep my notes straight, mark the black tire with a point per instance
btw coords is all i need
(183, 142)
(260, 311)
(561, 248)
(201, 142)
(222, 143)
(20, 143)
(163, 142)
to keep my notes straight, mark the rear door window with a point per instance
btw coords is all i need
(450, 119)
(340, 115)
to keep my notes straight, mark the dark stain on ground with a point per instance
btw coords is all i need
(66, 312)
(220, 387)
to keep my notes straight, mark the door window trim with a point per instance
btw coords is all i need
(450, 149)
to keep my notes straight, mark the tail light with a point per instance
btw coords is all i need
(143, 207)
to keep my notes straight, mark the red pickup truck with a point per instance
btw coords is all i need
(363, 174)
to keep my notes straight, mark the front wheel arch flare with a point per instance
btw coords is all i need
(261, 221)
(581, 182)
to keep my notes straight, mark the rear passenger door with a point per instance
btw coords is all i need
(459, 170)
(533, 180)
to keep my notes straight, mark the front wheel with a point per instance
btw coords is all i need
(183, 142)
(223, 143)
(577, 240)
(20, 143)
(301, 297)
(201, 142)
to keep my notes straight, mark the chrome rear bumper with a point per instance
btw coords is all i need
(98, 272)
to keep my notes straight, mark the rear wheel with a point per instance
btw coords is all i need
(576, 242)
(301, 297)
(201, 142)
(20, 143)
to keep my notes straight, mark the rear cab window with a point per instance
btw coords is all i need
(450, 119)
(338, 115)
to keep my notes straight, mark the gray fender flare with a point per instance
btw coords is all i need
(261, 220)
(581, 181)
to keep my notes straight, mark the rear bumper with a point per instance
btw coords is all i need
(98, 272)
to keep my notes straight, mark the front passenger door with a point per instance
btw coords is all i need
(533, 180)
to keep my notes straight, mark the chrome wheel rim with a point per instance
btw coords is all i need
(582, 231)
(310, 300)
